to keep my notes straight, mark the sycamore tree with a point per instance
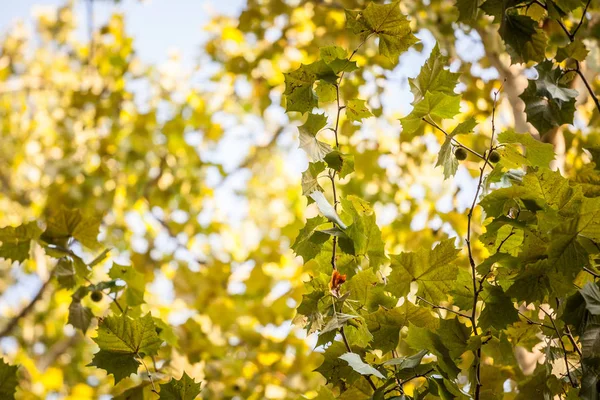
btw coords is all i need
(442, 240)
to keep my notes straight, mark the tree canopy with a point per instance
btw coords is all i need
(415, 215)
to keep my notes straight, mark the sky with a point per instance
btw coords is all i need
(159, 26)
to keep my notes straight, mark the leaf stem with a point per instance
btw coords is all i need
(148, 372)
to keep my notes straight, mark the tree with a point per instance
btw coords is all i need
(493, 255)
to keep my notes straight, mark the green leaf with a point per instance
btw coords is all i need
(524, 41)
(79, 316)
(591, 295)
(385, 324)
(446, 159)
(386, 21)
(431, 269)
(336, 58)
(454, 335)
(65, 273)
(299, 90)
(467, 10)
(120, 365)
(499, 310)
(136, 283)
(537, 153)
(310, 181)
(423, 338)
(438, 105)
(309, 242)
(327, 209)
(363, 231)
(575, 50)
(360, 366)
(343, 164)
(333, 368)
(434, 77)
(8, 380)
(549, 101)
(183, 389)
(315, 149)
(64, 223)
(409, 362)
(125, 335)
(357, 110)
(16, 241)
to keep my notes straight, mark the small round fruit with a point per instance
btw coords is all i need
(494, 157)
(460, 153)
(96, 296)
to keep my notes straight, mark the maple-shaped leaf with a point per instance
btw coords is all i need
(455, 336)
(575, 50)
(343, 164)
(524, 40)
(499, 310)
(79, 316)
(433, 270)
(136, 284)
(120, 365)
(310, 181)
(315, 149)
(363, 231)
(549, 101)
(64, 223)
(299, 83)
(16, 241)
(333, 368)
(124, 335)
(8, 380)
(309, 241)
(183, 389)
(299, 90)
(336, 58)
(357, 110)
(438, 105)
(434, 77)
(387, 22)
(385, 324)
(537, 153)
(426, 339)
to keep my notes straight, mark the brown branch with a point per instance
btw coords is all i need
(532, 322)
(12, 324)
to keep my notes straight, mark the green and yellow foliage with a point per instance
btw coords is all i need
(167, 269)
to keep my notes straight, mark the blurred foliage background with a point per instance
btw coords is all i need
(197, 177)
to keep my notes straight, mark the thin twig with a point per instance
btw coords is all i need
(572, 340)
(443, 308)
(589, 271)
(532, 322)
(148, 372)
(456, 142)
(417, 376)
(573, 384)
